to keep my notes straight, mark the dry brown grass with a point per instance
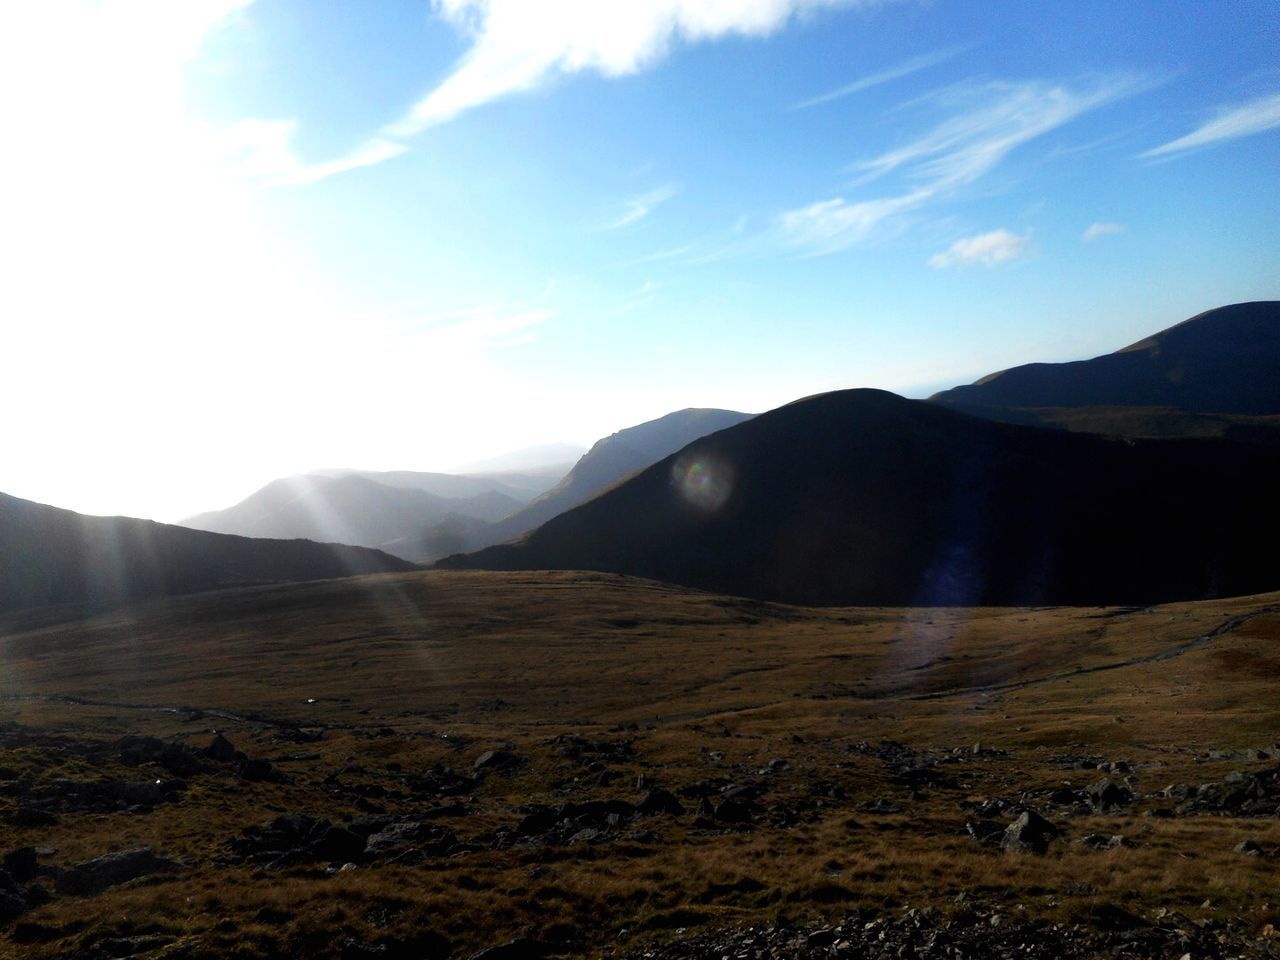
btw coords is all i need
(454, 663)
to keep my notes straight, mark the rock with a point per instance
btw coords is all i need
(1249, 848)
(521, 948)
(426, 837)
(32, 817)
(221, 750)
(338, 845)
(21, 863)
(496, 760)
(659, 801)
(94, 876)
(12, 905)
(986, 832)
(732, 811)
(258, 770)
(1103, 841)
(1030, 832)
(1108, 795)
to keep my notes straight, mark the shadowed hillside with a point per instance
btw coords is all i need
(610, 460)
(55, 556)
(1212, 375)
(863, 497)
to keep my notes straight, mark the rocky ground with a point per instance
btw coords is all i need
(759, 804)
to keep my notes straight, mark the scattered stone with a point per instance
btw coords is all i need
(986, 832)
(1103, 841)
(297, 838)
(1107, 795)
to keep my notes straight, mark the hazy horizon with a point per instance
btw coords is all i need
(252, 238)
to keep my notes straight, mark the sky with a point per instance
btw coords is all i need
(248, 238)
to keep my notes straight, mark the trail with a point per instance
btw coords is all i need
(1225, 627)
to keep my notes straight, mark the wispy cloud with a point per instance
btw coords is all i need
(639, 207)
(484, 326)
(830, 225)
(906, 68)
(987, 122)
(518, 45)
(988, 249)
(1231, 123)
(262, 150)
(1096, 230)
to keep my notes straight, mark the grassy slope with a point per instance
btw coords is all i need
(419, 668)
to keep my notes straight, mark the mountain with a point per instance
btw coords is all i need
(346, 509)
(608, 461)
(1213, 375)
(520, 486)
(54, 556)
(546, 456)
(862, 497)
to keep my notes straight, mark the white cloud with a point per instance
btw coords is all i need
(987, 122)
(637, 208)
(831, 225)
(906, 68)
(262, 150)
(1244, 120)
(1096, 230)
(988, 249)
(518, 45)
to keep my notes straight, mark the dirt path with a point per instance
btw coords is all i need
(1225, 627)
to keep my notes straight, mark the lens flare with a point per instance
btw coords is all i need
(705, 482)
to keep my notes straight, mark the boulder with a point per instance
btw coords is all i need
(221, 750)
(1030, 832)
(1106, 795)
(94, 876)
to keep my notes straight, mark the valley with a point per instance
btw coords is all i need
(446, 763)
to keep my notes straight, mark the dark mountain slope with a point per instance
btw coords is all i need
(608, 461)
(347, 509)
(1223, 361)
(862, 497)
(49, 555)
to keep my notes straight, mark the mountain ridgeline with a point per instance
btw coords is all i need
(862, 497)
(608, 462)
(1217, 374)
(54, 556)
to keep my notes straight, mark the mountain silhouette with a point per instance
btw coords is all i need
(862, 497)
(609, 460)
(56, 556)
(1212, 375)
(348, 509)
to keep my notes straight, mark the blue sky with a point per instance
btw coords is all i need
(253, 238)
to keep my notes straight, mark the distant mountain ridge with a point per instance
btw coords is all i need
(345, 509)
(1216, 374)
(862, 497)
(609, 461)
(53, 556)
